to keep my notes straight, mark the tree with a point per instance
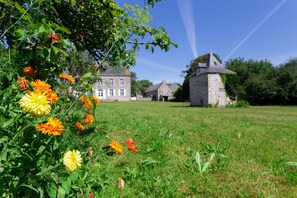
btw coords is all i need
(138, 86)
(133, 84)
(143, 85)
(107, 31)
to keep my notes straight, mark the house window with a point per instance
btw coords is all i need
(111, 92)
(122, 82)
(110, 82)
(100, 93)
(122, 92)
(100, 83)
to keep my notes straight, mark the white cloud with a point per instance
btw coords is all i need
(186, 12)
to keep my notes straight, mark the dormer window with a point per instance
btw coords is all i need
(197, 71)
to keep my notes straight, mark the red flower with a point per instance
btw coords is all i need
(91, 195)
(130, 144)
(54, 38)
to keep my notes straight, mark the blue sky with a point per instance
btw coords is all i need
(250, 29)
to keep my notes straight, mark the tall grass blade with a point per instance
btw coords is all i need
(198, 161)
(206, 165)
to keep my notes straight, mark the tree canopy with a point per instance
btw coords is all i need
(107, 31)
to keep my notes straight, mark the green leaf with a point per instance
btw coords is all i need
(41, 29)
(66, 184)
(40, 149)
(61, 192)
(51, 190)
(88, 75)
(291, 163)
(198, 161)
(74, 176)
(206, 165)
(56, 50)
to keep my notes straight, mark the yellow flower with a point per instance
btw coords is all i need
(116, 146)
(72, 160)
(52, 127)
(35, 104)
(67, 77)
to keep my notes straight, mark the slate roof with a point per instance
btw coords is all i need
(212, 65)
(115, 71)
(153, 87)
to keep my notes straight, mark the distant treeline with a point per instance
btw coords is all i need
(257, 82)
(260, 83)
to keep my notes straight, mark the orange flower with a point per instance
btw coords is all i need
(29, 71)
(116, 146)
(67, 77)
(40, 85)
(87, 102)
(23, 83)
(79, 126)
(54, 38)
(51, 96)
(130, 144)
(52, 127)
(96, 99)
(89, 119)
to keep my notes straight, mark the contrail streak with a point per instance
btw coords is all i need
(186, 12)
(255, 29)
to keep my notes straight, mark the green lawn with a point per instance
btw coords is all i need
(252, 147)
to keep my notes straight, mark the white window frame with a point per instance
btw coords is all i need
(110, 82)
(121, 92)
(100, 93)
(100, 83)
(111, 92)
(122, 82)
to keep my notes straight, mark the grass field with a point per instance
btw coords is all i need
(252, 147)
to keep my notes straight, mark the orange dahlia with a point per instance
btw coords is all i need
(96, 99)
(87, 102)
(52, 127)
(29, 71)
(116, 146)
(79, 126)
(40, 85)
(89, 119)
(67, 77)
(23, 83)
(51, 96)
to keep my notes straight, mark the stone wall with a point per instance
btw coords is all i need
(119, 92)
(199, 90)
(207, 89)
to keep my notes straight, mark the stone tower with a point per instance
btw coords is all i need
(206, 86)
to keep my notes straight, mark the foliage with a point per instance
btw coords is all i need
(105, 33)
(258, 82)
(48, 51)
(139, 86)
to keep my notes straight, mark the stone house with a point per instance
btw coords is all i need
(206, 86)
(161, 91)
(115, 84)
